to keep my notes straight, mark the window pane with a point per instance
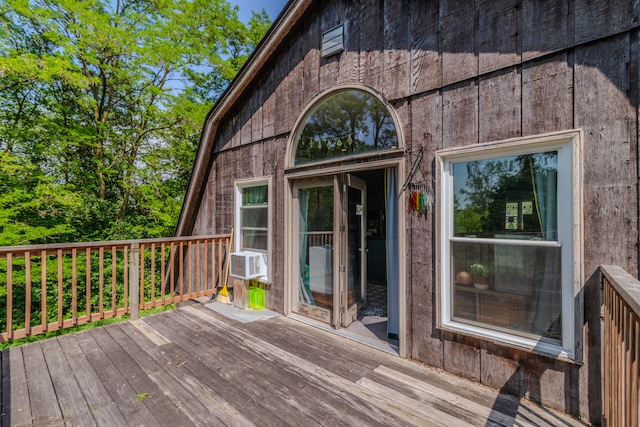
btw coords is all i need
(255, 195)
(254, 239)
(348, 123)
(514, 287)
(507, 198)
(255, 217)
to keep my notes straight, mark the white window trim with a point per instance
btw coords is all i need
(569, 147)
(247, 183)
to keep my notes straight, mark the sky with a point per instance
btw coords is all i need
(273, 7)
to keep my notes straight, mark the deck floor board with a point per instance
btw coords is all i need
(193, 366)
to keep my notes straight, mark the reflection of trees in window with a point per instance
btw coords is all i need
(507, 195)
(347, 123)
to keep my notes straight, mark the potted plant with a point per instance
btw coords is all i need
(480, 274)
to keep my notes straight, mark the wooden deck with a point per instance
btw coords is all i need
(193, 366)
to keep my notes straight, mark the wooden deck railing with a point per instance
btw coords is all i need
(621, 347)
(50, 287)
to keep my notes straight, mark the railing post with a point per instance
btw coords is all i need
(134, 281)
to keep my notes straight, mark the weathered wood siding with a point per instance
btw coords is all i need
(463, 72)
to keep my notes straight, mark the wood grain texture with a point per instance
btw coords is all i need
(211, 370)
(460, 115)
(426, 70)
(500, 102)
(396, 55)
(547, 27)
(458, 40)
(599, 19)
(547, 95)
(499, 43)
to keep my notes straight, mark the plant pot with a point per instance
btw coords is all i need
(481, 282)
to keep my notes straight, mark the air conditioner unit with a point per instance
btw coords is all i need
(248, 265)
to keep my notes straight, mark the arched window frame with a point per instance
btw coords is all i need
(313, 107)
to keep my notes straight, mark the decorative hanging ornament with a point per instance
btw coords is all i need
(349, 141)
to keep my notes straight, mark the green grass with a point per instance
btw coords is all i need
(90, 325)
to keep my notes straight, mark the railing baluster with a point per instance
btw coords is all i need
(74, 286)
(87, 282)
(181, 271)
(43, 289)
(101, 280)
(10, 295)
(27, 296)
(114, 280)
(189, 268)
(172, 267)
(153, 275)
(141, 284)
(162, 272)
(134, 281)
(60, 286)
(125, 275)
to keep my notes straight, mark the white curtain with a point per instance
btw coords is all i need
(391, 202)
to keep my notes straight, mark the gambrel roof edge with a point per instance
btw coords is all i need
(278, 32)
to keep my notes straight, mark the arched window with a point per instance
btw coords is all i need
(347, 123)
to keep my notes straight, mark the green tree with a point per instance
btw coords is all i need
(103, 102)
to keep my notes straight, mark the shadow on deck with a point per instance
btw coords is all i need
(193, 366)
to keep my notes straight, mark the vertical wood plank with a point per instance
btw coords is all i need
(181, 271)
(371, 42)
(458, 40)
(134, 281)
(43, 290)
(553, 16)
(125, 275)
(172, 278)
(60, 287)
(547, 95)
(162, 271)
(87, 282)
(101, 281)
(114, 281)
(498, 34)
(141, 283)
(426, 70)
(197, 269)
(500, 102)
(10, 295)
(27, 298)
(153, 274)
(396, 54)
(74, 285)
(189, 267)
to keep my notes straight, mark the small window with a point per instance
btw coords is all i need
(508, 222)
(253, 217)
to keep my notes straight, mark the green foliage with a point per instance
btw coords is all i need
(101, 108)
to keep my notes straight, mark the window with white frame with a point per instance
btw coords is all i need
(252, 216)
(509, 218)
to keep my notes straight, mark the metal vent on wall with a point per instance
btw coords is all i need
(333, 41)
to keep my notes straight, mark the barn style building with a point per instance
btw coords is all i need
(448, 174)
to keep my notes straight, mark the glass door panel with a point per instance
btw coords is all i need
(315, 205)
(356, 268)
